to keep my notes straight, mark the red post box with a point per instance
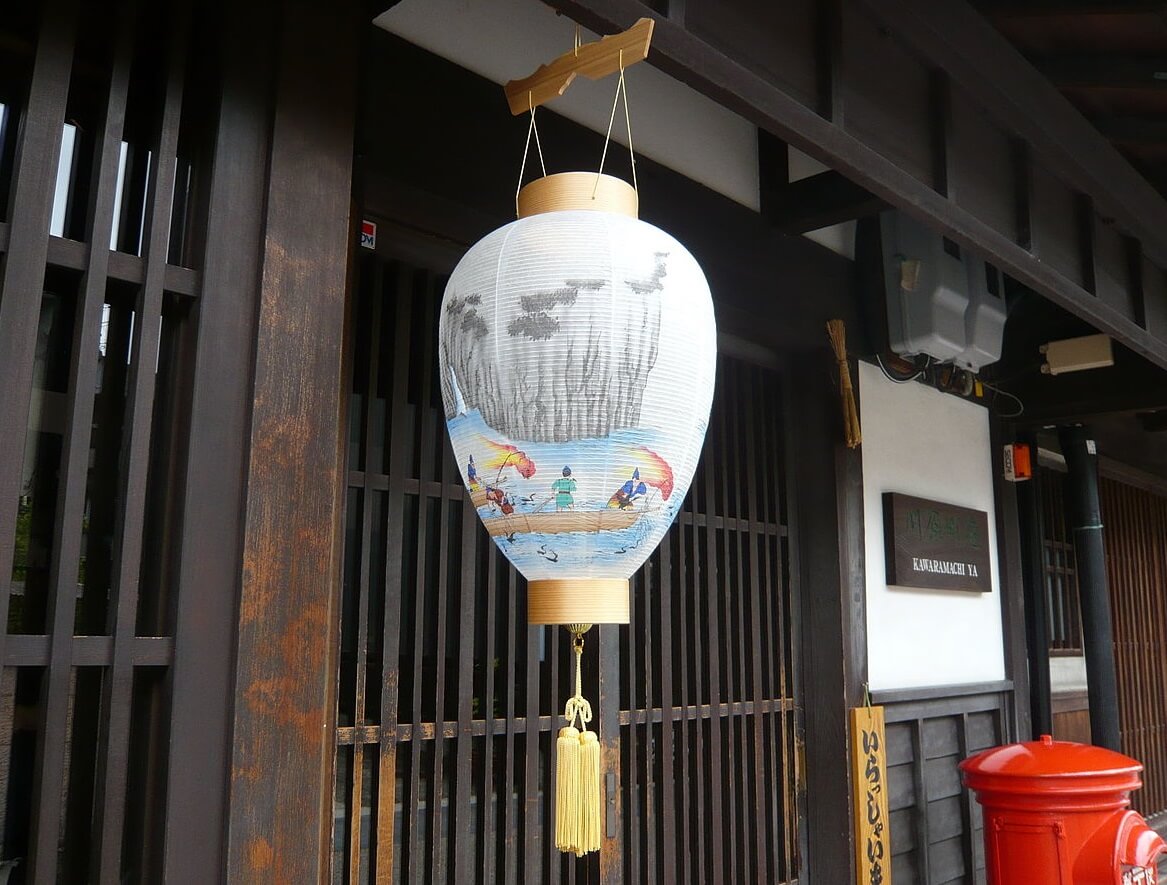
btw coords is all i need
(1058, 813)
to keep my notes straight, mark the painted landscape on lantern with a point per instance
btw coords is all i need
(614, 494)
(576, 390)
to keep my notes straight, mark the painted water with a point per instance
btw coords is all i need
(514, 485)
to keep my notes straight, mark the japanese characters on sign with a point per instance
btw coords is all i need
(936, 546)
(1136, 875)
(869, 776)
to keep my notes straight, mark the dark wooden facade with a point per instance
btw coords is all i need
(1135, 535)
(1136, 560)
(254, 633)
(936, 825)
(152, 340)
(448, 702)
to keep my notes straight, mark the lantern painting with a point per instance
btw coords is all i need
(577, 355)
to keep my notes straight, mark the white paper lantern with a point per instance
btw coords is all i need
(577, 355)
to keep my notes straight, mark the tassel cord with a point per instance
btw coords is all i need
(577, 706)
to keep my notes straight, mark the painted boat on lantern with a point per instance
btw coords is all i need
(559, 523)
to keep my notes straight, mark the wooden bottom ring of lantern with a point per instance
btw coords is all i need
(578, 601)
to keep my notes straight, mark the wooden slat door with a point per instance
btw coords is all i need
(707, 716)
(1136, 563)
(448, 702)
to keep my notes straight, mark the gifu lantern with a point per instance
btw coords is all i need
(577, 353)
(577, 350)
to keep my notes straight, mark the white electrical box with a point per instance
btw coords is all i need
(941, 300)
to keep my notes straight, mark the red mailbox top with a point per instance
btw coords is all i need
(1053, 775)
(1049, 758)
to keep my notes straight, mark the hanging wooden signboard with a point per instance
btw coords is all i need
(869, 776)
(936, 546)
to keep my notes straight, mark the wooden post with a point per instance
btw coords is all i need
(200, 682)
(1036, 614)
(280, 815)
(833, 598)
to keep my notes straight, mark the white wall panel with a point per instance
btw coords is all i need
(932, 445)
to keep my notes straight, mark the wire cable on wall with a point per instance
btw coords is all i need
(999, 392)
(899, 379)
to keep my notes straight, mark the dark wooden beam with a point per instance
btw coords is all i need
(1129, 129)
(1005, 9)
(827, 561)
(1133, 250)
(773, 170)
(1154, 422)
(977, 57)
(1082, 396)
(985, 71)
(200, 682)
(818, 201)
(1112, 71)
(940, 99)
(1036, 619)
(1087, 243)
(1011, 568)
(829, 55)
(281, 813)
(1023, 194)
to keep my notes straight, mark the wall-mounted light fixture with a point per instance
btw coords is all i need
(1077, 354)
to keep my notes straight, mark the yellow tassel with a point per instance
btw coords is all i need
(567, 794)
(589, 792)
(577, 768)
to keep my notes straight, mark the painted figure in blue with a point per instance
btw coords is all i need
(563, 488)
(629, 492)
(471, 474)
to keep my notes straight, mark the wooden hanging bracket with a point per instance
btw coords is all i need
(593, 60)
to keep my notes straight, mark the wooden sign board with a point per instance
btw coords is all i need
(869, 776)
(936, 546)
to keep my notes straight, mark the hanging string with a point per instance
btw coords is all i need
(621, 90)
(526, 149)
(628, 123)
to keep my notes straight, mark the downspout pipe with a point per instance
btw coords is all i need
(1085, 517)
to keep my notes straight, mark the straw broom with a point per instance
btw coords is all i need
(837, 332)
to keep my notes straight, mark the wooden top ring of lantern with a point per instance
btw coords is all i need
(564, 191)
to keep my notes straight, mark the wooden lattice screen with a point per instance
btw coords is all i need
(447, 700)
(1135, 536)
(1136, 562)
(1060, 569)
(93, 352)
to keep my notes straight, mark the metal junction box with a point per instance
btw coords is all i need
(941, 300)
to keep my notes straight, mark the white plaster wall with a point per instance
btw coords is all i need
(932, 445)
(673, 124)
(1067, 673)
